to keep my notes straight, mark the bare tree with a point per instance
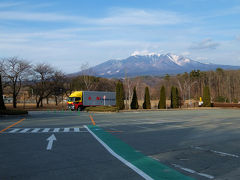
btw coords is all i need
(88, 77)
(128, 92)
(2, 105)
(15, 71)
(43, 86)
(58, 81)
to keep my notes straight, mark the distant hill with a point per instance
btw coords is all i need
(152, 65)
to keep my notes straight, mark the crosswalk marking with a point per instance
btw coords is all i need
(46, 130)
(66, 129)
(13, 131)
(24, 130)
(35, 130)
(76, 129)
(56, 129)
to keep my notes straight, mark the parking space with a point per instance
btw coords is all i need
(73, 155)
(202, 144)
(199, 144)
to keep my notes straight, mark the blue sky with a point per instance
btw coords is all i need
(67, 34)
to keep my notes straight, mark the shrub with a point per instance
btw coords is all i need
(13, 112)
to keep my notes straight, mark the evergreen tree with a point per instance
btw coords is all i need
(122, 96)
(134, 103)
(162, 101)
(177, 98)
(2, 105)
(173, 97)
(119, 95)
(147, 103)
(206, 97)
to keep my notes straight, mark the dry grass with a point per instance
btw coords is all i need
(32, 107)
(102, 109)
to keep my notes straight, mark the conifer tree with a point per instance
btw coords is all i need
(134, 103)
(206, 97)
(119, 95)
(122, 96)
(162, 101)
(2, 105)
(177, 98)
(173, 97)
(147, 103)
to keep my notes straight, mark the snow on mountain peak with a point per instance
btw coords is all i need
(179, 60)
(153, 64)
(144, 53)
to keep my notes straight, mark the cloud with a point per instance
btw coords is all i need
(116, 16)
(119, 16)
(205, 44)
(238, 38)
(32, 16)
(10, 4)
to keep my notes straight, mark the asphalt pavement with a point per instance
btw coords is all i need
(202, 144)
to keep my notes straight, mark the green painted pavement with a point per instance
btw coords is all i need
(149, 166)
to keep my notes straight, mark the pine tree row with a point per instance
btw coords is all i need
(175, 98)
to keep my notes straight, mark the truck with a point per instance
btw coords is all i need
(78, 100)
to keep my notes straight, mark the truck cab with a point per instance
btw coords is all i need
(75, 101)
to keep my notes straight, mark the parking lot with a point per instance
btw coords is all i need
(193, 144)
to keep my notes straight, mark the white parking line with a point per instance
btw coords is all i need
(193, 171)
(35, 130)
(56, 129)
(13, 131)
(66, 130)
(127, 163)
(76, 129)
(217, 152)
(46, 130)
(24, 130)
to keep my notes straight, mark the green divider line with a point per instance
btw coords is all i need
(149, 166)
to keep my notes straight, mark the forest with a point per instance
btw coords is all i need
(41, 83)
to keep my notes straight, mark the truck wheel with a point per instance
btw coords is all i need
(80, 108)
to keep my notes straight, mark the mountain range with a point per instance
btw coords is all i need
(152, 65)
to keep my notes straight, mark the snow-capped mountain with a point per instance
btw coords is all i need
(153, 65)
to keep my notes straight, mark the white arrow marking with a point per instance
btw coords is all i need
(50, 141)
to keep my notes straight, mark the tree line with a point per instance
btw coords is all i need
(175, 98)
(43, 82)
(224, 85)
